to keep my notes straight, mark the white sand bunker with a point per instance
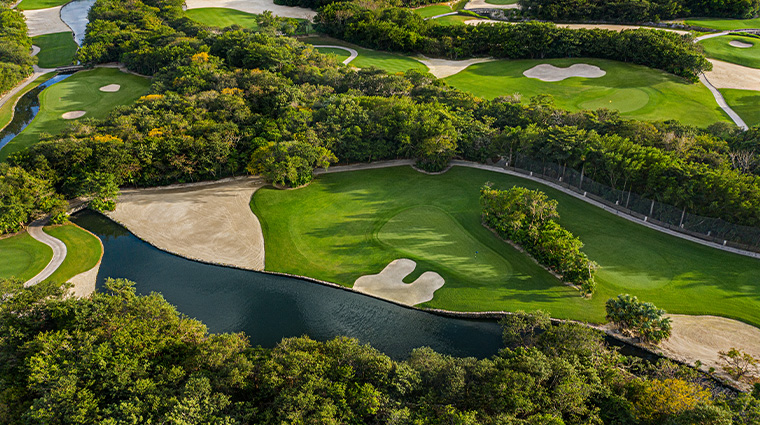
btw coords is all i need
(740, 44)
(726, 75)
(73, 115)
(551, 73)
(111, 88)
(443, 68)
(389, 284)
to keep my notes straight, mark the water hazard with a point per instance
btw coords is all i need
(268, 308)
(74, 14)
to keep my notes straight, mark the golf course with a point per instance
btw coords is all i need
(350, 224)
(367, 58)
(222, 18)
(746, 103)
(55, 49)
(741, 50)
(725, 24)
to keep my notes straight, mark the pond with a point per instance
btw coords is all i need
(74, 14)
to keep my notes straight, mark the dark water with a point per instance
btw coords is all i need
(269, 308)
(26, 109)
(74, 14)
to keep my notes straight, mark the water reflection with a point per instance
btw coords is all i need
(74, 14)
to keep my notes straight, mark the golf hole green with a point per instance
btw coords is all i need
(624, 100)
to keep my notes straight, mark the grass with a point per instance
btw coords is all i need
(718, 48)
(339, 53)
(346, 225)
(636, 91)
(222, 17)
(78, 92)
(367, 58)
(55, 49)
(454, 19)
(500, 2)
(22, 257)
(83, 251)
(434, 10)
(725, 24)
(746, 103)
(6, 111)
(40, 4)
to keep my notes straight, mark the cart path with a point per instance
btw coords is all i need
(352, 52)
(59, 252)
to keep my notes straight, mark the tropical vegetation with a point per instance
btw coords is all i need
(639, 11)
(15, 49)
(639, 319)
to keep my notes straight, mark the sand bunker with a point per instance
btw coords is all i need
(210, 222)
(111, 88)
(551, 73)
(73, 115)
(443, 68)
(45, 21)
(254, 6)
(389, 284)
(731, 76)
(740, 44)
(702, 337)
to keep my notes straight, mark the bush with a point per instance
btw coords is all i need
(639, 319)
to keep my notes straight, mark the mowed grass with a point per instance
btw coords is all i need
(340, 54)
(22, 257)
(368, 58)
(501, 1)
(345, 225)
(636, 91)
(222, 17)
(434, 10)
(719, 48)
(82, 92)
(55, 49)
(746, 103)
(6, 111)
(725, 24)
(454, 19)
(83, 251)
(40, 4)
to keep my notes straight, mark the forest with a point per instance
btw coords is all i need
(15, 49)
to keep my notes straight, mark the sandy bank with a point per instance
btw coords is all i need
(443, 68)
(45, 21)
(726, 75)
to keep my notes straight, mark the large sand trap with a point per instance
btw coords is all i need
(84, 283)
(740, 44)
(111, 88)
(73, 115)
(731, 76)
(702, 337)
(579, 26)
(443, 68)
(389, 284)
(209, 222)
(254, 6)
(45, 21)
(551, 73)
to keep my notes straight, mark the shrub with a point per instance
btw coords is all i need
(640, 319)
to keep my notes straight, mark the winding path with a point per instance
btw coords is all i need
(352, 52)
(59, 252)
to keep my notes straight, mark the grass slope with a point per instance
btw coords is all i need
(718, 48)
(725, 24)
(40, 4)
(221, 17)
(367, 58)
(6, 111)
(345, 225)
(636, 91)
(55, 49)
(22, 257)
(434, 10)
(746, 103)
(83, 251)
(78, 92)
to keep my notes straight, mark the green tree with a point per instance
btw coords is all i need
(639, 319)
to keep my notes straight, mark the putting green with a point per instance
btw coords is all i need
(637, 91)
(22, 257)
(83, 251)
(55, 49)
(746, 103)
(222, 17)
(82, 92)
(725, 24)
(345, 225)
(719, 48)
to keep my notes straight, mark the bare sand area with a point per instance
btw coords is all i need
(551, 73)
(45, 21)
(702, 337)
(443, 68)
(389, 283)
(740, 44)
(580, 26)
(84, 283)
(73, 115)
(726, 75)
(481, 4)
(254, 6)
(210, 222)
(111, 88)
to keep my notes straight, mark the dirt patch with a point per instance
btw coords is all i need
(45, 21)
(254, 6)
(210, 222)
(551, 73)
(111, 88)
(73, 115)
(389, 283)
(740, 44)
(726, 75)
(702, 337)
(443, 68)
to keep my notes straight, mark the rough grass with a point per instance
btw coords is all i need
(725, 24)
(83, 251)
(718, 48)
(78, 92)
(434, 10)
(22, 257)
(636, 91)
(746, 103)
(367, 58)
(345, 225)
(55, 49)
(40, 4)
(222, 17)
(6, 111)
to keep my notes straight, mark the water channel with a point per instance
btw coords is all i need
(74, 14)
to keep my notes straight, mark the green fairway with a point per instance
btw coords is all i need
(339, 53)
(454, 19)
(636, 91)
(222, 17)
(501, 2)
(719, 48)
(55, 49)
(725, 24)
(81, 91)
(434, 10)
(346, 225)
(83, 251)
(6, 111)
(746, 103)
(40, 4)
(22, 257)
(367, 58)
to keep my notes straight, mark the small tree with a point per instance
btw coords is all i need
(738, 363)
(640, 319)
(519, 328)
